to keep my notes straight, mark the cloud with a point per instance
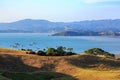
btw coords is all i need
(98, 1)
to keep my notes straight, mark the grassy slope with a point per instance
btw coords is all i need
(37, 76)
(10, 51)
(82, 67)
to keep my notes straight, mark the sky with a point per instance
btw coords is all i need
(59, 10)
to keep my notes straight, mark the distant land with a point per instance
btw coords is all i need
(93, 27)
(86, 33)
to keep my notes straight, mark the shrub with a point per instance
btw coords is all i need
(98, 51)
(60, 50)
(95, 51)
(41, 53)
(70, 53)
(23, 49)
(51, 52)
(30, 52)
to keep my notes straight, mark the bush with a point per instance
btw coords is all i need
(23, 49)
(41, 53)
(51, 52)
(95, 51)
(60, 51)
(30, 52)
(70, 53)
(98, 51)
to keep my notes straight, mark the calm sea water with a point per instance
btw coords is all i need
(40, 41)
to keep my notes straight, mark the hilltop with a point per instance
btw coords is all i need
(77, 67)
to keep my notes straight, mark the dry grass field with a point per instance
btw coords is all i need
(77, 67)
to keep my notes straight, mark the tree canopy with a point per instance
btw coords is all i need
(59, 51)
(98, 51)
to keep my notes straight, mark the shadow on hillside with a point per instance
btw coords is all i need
(11, 63)
(38, 76)
(47, 67)
(56, 75)
(89, 61)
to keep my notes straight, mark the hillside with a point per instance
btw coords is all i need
(82, 33)
(35, 26)
(86, 33)
(80, 67)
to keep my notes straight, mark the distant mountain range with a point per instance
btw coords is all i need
(44, 26)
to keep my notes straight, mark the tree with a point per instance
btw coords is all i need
(98, 51)
(69, 53)
(70, 49)
(30, 52)
(95, 51)
(61, 50)
(41, 53)
(51, 52)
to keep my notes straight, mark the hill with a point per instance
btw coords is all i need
(78, 67)
(34, 26)
(86, 33)
(73, 33)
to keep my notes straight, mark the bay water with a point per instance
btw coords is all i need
(40, 41)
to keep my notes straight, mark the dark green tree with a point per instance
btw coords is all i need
(61, 50)
(98, 51)
(41, 53)
(51, 52)
(70, 49)
(95, 51)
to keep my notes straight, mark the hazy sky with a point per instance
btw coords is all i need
(59, 10)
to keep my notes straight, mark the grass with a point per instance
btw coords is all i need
(7, 50)
(82, 67)
(90, 74)
(25, 76)
(11, 51)
(82, 74)
(36, 76)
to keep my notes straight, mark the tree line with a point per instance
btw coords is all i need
(99, 51)
(63, 51)
(59, 51)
